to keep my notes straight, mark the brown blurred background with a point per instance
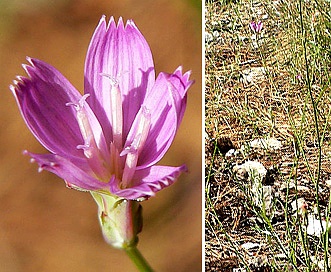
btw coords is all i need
(43, 225)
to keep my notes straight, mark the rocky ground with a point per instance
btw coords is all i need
(267, 180)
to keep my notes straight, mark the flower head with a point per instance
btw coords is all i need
(109, 139)
(256, 27)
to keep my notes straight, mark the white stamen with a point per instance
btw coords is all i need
(129, 169)
(136, 146)
(115, 161)
(117, 115)
(90, 148)
(90, 145)
(116, 111)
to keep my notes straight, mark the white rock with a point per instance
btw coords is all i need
(280, 256)
(315, 227)
(250, 245)
(230, 153)
(299, 205)
(267, 198)
(254, 172)
(254, 168)
(239, 270)
(208, 37)
(216, 34)
(319, 263)
(269, 144)
(303, 188)
(253, 75)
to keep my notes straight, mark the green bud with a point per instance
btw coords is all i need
(120, 219)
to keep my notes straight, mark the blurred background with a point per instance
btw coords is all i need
(43, 225)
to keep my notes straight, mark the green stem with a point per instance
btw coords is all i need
(138, 259)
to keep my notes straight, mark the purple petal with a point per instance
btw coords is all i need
(123, 54)
(149, 181)
(166, 103)
(76, 173)
(42, 101)
(259, 26)
(181, 83)
(253, 26)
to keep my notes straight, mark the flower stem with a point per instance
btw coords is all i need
(138, 259)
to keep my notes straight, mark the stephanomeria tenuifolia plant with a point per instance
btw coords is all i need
(256, 27)
(108, 140)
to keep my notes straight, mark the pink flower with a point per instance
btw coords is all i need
(256, 27)
(109, 139)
